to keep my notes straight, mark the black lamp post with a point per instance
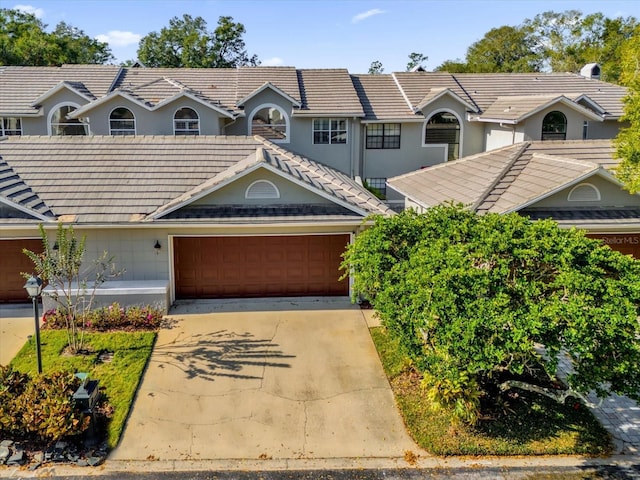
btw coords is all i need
(34, 288)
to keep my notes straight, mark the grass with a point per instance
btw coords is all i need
(530, 424)
(119, 378)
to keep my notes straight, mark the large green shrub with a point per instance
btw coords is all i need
(472, 298)
(41, 406)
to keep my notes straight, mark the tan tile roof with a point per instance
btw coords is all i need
(250, 79)
(486, 88)
(508, 178)
(381, 99)
(418, 85)
(20, 86)
(327, 92)
(153, 85)
(111, 179)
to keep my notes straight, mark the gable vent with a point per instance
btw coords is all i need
(585, 192)
(261, 189)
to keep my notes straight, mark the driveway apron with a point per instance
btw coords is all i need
(264, 379)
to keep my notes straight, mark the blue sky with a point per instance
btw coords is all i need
(318, 33)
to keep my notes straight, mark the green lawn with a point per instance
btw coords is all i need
(529, 425)
(118, 378)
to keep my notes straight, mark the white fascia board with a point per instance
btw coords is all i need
(26, 210)
(493, 120)
(90, 106)
(406, 195)
(272, 87)
(251, 169)
(396, 120)
(52, 91)
(195, 98)
(569, 103)
(554, 191)
(305, 113)
(206, 192)
(591, 102)
(452, 94)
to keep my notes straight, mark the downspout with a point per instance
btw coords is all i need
(352, 166)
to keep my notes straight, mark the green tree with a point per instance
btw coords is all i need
(25, 41)
(568, 40)
(186, 42)
(504, 50)
(627, 142)
(472, 297)
(453, 66)
(416, 60)
(74, 287)
(376, 68)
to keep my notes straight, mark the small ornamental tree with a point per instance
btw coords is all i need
(73, 285)
(480, 301)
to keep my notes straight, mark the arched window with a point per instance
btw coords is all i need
(554, 126)
(584, 192)
(261, 189)
(443, 128)
(186, 122)
(59, 124)
(271, 122)
(122, 122)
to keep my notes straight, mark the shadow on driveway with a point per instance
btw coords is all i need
(220, 353)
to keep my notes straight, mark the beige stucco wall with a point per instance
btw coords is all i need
(604, 130)
(611, 194)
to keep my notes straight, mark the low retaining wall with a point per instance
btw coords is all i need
(125, 292)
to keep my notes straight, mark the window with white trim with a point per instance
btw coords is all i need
(59, 124)
(376, 185)
(584, 192)
(186, 122)
(329, 131)
(261, 189)
(271, 122)
(554, 126)
(443, 128)
(122, 122)
(10, 126)
(383, 136)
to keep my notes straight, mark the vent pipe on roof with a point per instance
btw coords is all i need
(591, 70)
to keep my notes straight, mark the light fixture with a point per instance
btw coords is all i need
(157, 246)
(34, 288)
(55, 246)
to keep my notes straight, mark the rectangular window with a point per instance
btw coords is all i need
(329, 131)
(585, 130)
(383, 135)
(10, 126)
(377, 185)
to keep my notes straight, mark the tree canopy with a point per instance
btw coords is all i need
(187, 42)
(473, 298)
(551, 41)
(628, 140)
(25, 41)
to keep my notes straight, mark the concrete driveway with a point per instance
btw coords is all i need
(264, 379)
(16, 325)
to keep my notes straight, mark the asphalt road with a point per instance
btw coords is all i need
(569, 473)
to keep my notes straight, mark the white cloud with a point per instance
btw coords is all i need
(117, 38)
(37, 12)
(364, 15)
(272, 62)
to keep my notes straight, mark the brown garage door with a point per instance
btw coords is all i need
(627, 243)
(12, 263)
(219, 267)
